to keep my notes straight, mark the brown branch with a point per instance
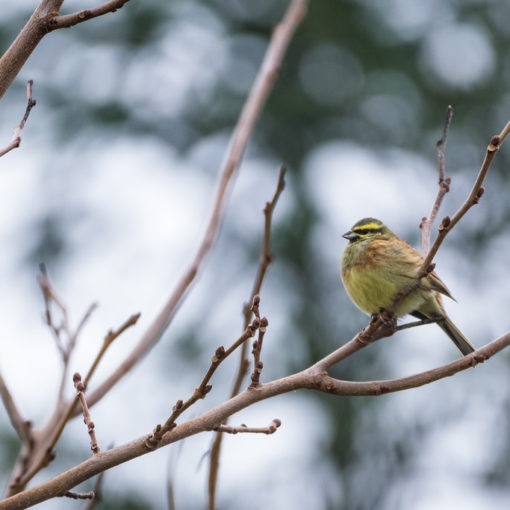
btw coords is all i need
(69, 20)
(257, 349)
(87, 419)
(243, 429)
(79, 495)
(474, 197)
(49, 442)
(44, 19)
(241, 135)
(16, 137)
(98, 494)
(204, 388)
(313, 378)
(242, 369)
(21, 426)
(444, 185)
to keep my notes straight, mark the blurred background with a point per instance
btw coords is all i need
(113, 184)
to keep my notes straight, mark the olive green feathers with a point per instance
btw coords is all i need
(377, 264)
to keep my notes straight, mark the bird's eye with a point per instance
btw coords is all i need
(362, 231)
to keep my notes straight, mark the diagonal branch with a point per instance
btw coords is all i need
(243, 130)
(16, 137)
(444, 186)
(308, 379)
(21, 426)
(69, 20)
(474, 197)
(204, 387)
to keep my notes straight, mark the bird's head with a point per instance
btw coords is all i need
(367, 228)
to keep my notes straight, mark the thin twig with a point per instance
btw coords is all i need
(79, 495)
(243, 429)
(444, 185)
(68, 20)
(16, 138)
(98, 493)
(243, 366)
(70, 345)
(50, 442)
(204, 388)
(257, 349)
(87, 419)
(474, 197)
(21, 426)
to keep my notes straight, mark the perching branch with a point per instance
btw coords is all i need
(444, 185)
(314, 378)
(16, 137)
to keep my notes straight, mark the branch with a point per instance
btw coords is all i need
(49, 442)
(80, 495)
(16, 137)
(444, 185)
(257, 349)
(204, 388)
(44, 19)
(69, 20)
(21, 426)
(311, 379)
(265, 260)
(474, 197)
(243, 130)
(243, 429)
(80, 389)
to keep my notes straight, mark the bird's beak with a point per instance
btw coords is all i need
(350, 235)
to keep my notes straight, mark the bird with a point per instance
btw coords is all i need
(377, 264)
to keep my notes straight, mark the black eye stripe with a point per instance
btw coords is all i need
(365, 231)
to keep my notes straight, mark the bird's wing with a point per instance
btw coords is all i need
(438, 285)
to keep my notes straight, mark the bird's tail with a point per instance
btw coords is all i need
(463, 344)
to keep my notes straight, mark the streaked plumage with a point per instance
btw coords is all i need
(377, 264)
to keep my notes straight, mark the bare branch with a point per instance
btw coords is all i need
(68, 20)
(242, 370)
(257, 349)
(21, 426)
(241, 135)
(243, 429)
(204, 388)
(79, 495)
(313, 379)
(444, 185)
(16, 137)
(80, 390)
(474, 197)
(47, 453)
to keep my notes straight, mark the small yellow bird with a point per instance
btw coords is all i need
(377, 264)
